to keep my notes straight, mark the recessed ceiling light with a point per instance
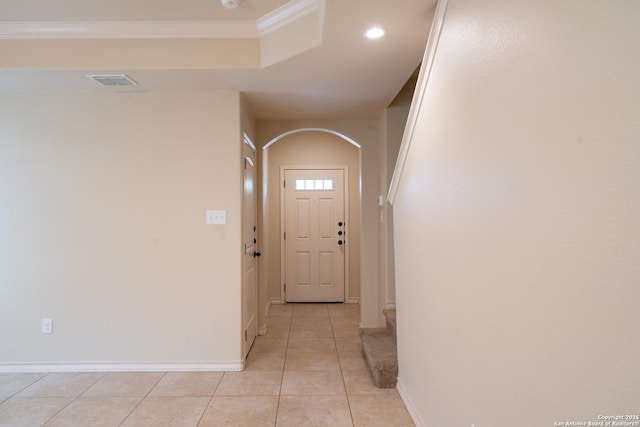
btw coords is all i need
(374, 33)
(230, 4)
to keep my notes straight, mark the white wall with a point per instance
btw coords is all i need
(517, 219)
(102, 207)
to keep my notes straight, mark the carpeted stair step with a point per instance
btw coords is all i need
(391, 322)
(381, 354)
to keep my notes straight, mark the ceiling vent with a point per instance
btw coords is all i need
(113, 79)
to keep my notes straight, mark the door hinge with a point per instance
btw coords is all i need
(245, 335)
(284, 183)
(285, 235)
(285, 287)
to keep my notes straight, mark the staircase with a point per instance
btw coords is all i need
(381, 352)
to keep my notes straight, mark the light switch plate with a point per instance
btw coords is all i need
(216, 217)
(47, 326)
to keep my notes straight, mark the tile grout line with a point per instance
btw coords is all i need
(206, 407)
(61, 409)
(73, 399)
(342, 373)
(96, 382)
(142, 400)
(44, 375)
(286, 352)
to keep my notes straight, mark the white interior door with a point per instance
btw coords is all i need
(314, 235)
(249, 260)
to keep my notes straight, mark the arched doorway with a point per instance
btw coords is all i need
(307, 147)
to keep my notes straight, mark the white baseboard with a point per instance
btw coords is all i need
(122, 367)
(263, 330)
(276, 301)
(391, 306)
(353, 301)
(409, 404)
(267, 306)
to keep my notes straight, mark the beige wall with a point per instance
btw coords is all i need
(321, 149)
(363, 263)
(393, 120)
(103, 200)
(517, 219)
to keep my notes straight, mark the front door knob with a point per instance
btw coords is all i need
(255, 254)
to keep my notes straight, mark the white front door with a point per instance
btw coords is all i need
(314, 235)
(249, 260)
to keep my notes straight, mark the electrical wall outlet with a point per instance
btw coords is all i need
(47, 326)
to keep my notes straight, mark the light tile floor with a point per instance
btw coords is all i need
(307, 371)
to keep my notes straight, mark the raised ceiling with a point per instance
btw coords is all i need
(132, 10)
(293, 59)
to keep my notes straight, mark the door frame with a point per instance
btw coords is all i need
(347, 221)
(249, 148)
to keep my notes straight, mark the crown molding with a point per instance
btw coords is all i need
(272, 21)
(286, 14)
(128, 30)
